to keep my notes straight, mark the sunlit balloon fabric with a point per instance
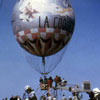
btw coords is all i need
(43, 27)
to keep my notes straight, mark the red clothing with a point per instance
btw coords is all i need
(56, 79)
(50, 83)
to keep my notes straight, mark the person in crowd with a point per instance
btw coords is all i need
(43, 97)
(18, 98)
(57, 79)
(50, 81)
(70, 98)
(54, 98)
(30, 94)
(41, 80)
(96, 92)
(49, 97)
(5, 98)
(76, 96)
(63, 97)
(45, 80)
(63, 80)
(91, 95)
(33, 98)
(13, 98)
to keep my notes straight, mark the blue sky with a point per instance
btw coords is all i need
(80, 62)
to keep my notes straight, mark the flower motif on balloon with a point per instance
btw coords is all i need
(30, 9)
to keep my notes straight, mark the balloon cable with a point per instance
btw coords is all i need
(43, 61)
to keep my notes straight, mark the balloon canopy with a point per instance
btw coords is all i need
(43, 27)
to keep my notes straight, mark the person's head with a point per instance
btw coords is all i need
(70, 98)
(5, 98)
(50, 77)
(63, 95)
(73, 93)
(43, 95)
(28, 89)
(18, 96)
(48, 94)
(12, 97)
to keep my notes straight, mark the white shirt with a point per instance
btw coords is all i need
(30, 95)
(49, 98)
(18, 98)
(26, 99)
(54, 98)
(75, 98)
(63, 80)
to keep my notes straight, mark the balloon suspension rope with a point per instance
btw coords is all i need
(43, 62)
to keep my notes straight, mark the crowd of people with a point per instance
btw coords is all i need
(46, 83)
(13, 98)
(49, 97)
(30, 95)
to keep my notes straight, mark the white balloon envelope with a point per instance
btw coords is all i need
(43, 28)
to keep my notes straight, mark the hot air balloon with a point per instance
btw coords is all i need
(43, 28)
